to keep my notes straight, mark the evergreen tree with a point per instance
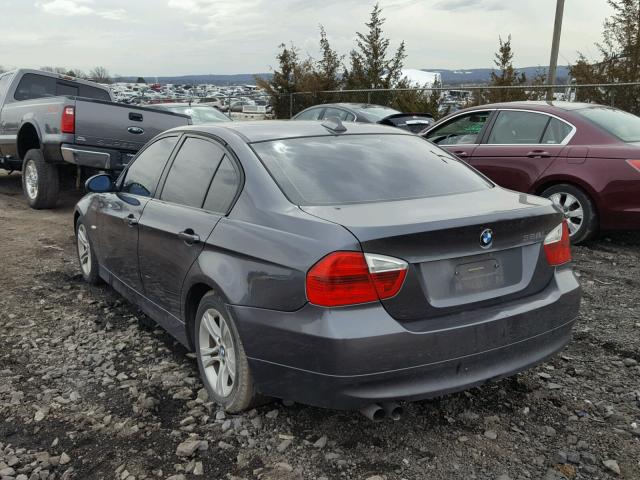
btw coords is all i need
(506, 76)
(370, 66)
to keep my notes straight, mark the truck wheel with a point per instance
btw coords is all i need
(578, 210)
(40, 180)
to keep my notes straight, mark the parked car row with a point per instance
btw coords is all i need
(367, 113)
(343, 265)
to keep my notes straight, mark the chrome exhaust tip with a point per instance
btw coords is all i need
(373, 412)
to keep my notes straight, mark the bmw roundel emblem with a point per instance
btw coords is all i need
(486, 238)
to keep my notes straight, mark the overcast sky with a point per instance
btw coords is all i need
(172, 37)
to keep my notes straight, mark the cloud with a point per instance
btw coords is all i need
(487, 5)
(66, 7)
(120, 14)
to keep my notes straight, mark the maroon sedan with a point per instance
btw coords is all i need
(583, 157)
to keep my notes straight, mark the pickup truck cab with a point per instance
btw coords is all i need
(56, 129)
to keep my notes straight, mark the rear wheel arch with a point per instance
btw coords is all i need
(191, 303)
(28, 139)
(590, 223)
(574, 182)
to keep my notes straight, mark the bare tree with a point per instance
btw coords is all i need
(100, 75)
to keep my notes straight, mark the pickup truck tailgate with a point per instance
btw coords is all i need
(118, 126)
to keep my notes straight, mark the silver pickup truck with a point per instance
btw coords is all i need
(58, 130)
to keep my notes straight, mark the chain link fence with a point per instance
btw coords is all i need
(440, 101)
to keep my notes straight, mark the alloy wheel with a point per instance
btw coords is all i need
(572, 209)
(217, 352)
(31, 180)
(84, 250)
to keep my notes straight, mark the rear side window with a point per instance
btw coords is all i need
(191, 172)
(223, 187)
(513, 127)
(142, 176)
(624, 125)
(556, 132)
(337, 112)
(312, 114)
(331, 170)
(33, 86)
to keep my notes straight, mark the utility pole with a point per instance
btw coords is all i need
(555, 47)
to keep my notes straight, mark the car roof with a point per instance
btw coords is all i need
(533, 105)
(265, 130)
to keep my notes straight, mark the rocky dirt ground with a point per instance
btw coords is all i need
(91, 389)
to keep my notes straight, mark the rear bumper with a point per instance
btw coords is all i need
(99, 158)
(350, 357)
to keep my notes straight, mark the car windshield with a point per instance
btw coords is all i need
(623, 125)
(376, 112)
(201, 114)
(332, 170)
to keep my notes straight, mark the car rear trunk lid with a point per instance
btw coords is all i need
(440, 237)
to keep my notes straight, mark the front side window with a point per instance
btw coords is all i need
(514, 127)
(5, 80)
(462, 130)
(191, 172)
(334, 170)
(142, 176)
(624, 125)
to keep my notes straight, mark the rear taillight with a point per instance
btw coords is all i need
(348, 278)
(557, 245)
(68, 122)
(635, 164)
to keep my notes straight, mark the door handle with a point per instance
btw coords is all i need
(189, 237)
(461, 153)
(538, 154)
(131, 220)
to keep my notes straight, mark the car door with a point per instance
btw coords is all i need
(176, 224)
(519, 146)
(119, 213)
(461, 134)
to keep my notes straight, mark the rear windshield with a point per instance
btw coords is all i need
(624, 125)
(33, 86)
(378, 113)
(200, 114)
(333, 170)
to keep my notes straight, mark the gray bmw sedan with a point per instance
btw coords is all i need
(340, 265)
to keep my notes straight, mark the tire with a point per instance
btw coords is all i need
(572, 200)
(241, 394)
(40, 181)
(86, 254)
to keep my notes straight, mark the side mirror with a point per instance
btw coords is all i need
(101, 183)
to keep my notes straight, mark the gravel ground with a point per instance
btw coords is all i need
(91, 389)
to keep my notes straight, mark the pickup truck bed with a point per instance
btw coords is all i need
(56, 134)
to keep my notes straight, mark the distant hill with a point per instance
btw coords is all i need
(483, 75)
(449, 77)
